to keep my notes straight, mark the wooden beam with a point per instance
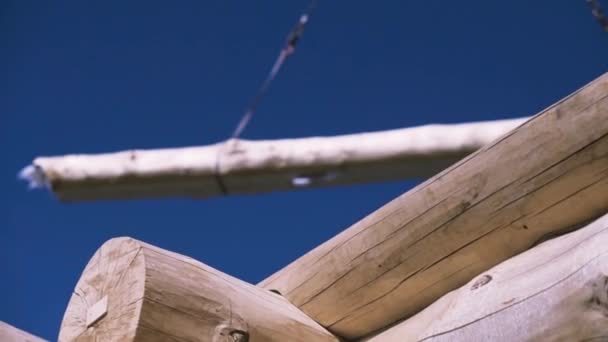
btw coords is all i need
(132, 291)
(546, 175)
(557, 291)
(241, 166)
(9, 333)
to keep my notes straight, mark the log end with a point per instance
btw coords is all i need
(35, 176)
(106, 303)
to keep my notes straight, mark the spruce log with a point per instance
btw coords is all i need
(9, 333)
(132, 291)
(244, 167)
(557, 291)
(548, 174)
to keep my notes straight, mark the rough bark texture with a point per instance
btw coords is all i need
(131, 291)
(8, 333)
(544, 176)
(557, 291)
(241, 166)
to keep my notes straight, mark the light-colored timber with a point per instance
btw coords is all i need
(242, 167)
(132, 291)
(9, 333)
(557, 291)
(548, 174)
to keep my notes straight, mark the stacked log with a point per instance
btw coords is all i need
(557, 291)
(541, 178)
(439, 262)
(132, 291)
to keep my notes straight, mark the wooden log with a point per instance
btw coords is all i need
(9, 333)
(557, 291)
(241, 166)
(132, 291)
(548, 174)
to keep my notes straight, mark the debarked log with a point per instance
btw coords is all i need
(544, 176)
(244, 167)
(556, 291)
(132, 291)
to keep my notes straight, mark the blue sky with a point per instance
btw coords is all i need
(84, 77)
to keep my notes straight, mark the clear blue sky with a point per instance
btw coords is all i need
(83, 77)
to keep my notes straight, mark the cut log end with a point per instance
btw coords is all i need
(132, 291)
(106, 302)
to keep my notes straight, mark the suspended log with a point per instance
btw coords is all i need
(8, 333)
(546, 175)
(557, 291)
(241, 166)
(132, 291)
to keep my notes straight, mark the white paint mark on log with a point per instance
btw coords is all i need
(97, 311)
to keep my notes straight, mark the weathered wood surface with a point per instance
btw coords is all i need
(241, 166)
(132, 291)
(9, 333)
(557, 291)
(546, 175)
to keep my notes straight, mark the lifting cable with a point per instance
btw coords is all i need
(296, 34)
(287, 50)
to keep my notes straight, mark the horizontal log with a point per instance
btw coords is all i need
(132, 291)
(9, 333)
(546, 175)
(557, 291)
(242, 167)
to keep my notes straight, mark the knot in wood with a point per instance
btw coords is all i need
(486, 278)
(239, 336)
(599, 293)
(227, 333)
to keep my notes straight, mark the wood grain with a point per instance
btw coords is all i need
(557, 291)
(156, 295)
(546, 175)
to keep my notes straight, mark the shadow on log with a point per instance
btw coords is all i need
(557, 291)
(132, 291)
